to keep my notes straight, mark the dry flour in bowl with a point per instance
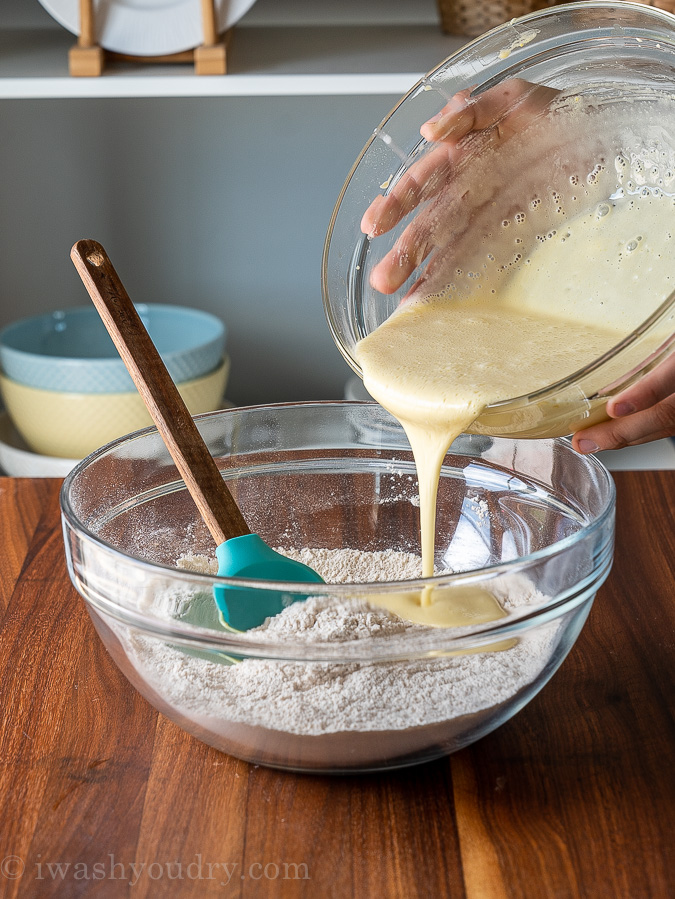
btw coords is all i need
(341, 715)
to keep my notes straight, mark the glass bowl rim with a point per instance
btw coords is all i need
(184, 633)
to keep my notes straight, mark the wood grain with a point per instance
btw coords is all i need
(22, 505)
(574, 797)
(159, 393)
(86, 37)
(209, 22)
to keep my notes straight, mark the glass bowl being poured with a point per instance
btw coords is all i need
(600, 152)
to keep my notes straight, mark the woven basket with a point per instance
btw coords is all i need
(474, 17)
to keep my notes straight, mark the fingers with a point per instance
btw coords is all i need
(428, 176)
(658, 385)
(497, 114)
(394, 269)
(644, 412)
(440, 234)
(641, 427)
(507, 108)
(454, 121)
(422, 182)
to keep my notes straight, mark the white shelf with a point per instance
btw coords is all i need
(310, 60)
(658, 455)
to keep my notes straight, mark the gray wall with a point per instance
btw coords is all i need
(220, 203)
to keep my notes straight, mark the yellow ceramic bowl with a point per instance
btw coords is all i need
(72, 425)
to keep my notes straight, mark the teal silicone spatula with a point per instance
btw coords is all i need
(240, 553)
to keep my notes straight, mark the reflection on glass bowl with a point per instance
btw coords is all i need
(531, 523)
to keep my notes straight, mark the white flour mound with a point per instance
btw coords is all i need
(315, 698)
(336, 566)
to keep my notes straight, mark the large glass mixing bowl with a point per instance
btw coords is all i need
(531, 522)
(619, 59)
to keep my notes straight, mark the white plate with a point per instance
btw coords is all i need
(18, 461)
(147, 27)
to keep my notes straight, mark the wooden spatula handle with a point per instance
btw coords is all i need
(164, 403)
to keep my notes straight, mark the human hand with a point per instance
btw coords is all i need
(464, 126)
(640, 414)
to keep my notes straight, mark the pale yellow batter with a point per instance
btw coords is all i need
(437, 362)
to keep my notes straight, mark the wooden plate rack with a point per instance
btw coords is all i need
(87, 58)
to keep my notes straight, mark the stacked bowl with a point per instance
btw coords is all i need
(67, 391)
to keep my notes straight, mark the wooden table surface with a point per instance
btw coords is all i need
(102, 796)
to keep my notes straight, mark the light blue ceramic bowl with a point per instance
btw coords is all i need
(70, 350)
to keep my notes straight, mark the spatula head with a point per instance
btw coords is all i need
(249, 556)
